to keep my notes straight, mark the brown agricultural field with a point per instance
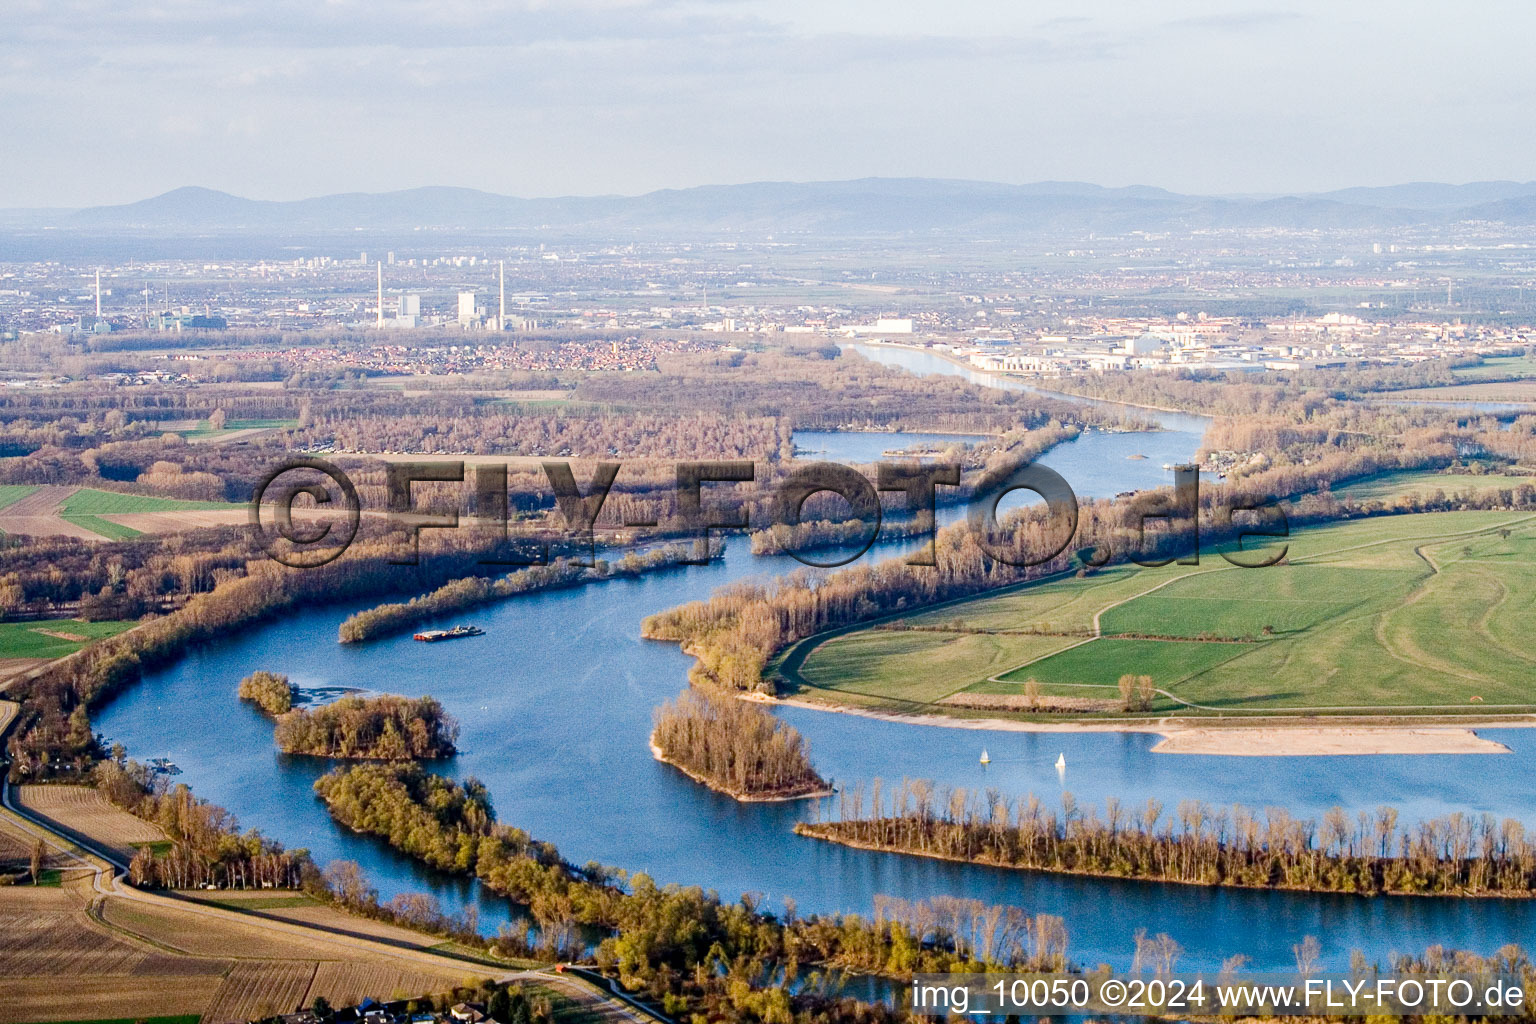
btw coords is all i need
(261, 988)
(46, 934)
(87, 812)
(184, 519)
(13, 667)
(347, 982)
(168, 926)
(35, 1000)
(334, 920)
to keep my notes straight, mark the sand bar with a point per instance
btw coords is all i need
(1303, 739)
(1325, 740)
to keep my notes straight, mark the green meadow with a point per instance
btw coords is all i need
(88, 501)
(1426, 613)
(26, 639)
(1424, 483)
(205, 429)
(1498, 367)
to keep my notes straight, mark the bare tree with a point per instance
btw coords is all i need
(1307, 951)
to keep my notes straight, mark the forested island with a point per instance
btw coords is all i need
(385, 728)
(269, 691)
(781, 538)
(735, 747)
(1368, 854)
(434, 819)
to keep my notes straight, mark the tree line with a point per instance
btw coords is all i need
(206, 844)
(735, 747)
(1237, 393)
(1368, 853)
(558, 434)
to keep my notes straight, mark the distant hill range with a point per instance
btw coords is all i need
(865, 207)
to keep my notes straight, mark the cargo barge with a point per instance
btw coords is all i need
(433, 635)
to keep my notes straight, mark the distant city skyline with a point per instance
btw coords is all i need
(104, 104)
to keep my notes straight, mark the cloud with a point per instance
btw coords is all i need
(94, 25)
(1237, 21)
(288, 98)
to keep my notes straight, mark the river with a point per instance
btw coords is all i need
(555, 704)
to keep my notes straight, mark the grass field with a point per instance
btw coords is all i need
(68, 954)
(203, 430)
(1498, 366)
(569, 1011)
(1405, 614)
(262, 902)
(906, 666)
(87, 506)
(105, 527)
(29, 639)
(1494, 391)
(1424, 483)
(87, 501)
(57, 963)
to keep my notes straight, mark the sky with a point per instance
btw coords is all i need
(106, 102)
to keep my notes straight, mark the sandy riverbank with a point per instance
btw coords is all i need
(1326, 740)
(1302, 739)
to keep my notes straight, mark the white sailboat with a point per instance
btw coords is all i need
(985, 758)
(1061, 762)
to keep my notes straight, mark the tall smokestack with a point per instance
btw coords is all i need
(98, 295)
(381, 294)
(501, 318)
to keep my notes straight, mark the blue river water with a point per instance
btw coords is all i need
(555, 704)
(859, 447)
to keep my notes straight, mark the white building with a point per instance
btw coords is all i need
(884, 325)
(466, 308)
(1145, 345)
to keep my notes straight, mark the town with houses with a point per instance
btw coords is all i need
(1139, 304)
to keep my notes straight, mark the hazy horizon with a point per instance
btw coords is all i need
(766, 181)
(103, 105)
